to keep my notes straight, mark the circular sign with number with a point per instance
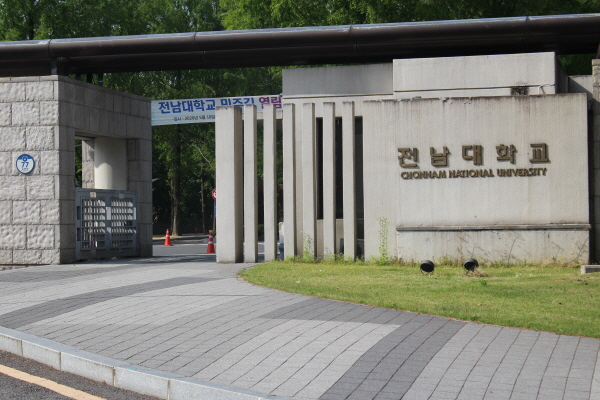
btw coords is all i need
(214, 194)
(25, 163)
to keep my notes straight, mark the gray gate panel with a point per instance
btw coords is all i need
(106, 223)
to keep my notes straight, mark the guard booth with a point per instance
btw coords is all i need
(46, 218)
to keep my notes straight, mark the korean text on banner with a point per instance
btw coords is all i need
(189, 111)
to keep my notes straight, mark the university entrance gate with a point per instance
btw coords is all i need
(40, 117)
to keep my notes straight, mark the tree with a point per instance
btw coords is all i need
(22, 19)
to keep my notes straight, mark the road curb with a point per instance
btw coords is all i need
(119, 373)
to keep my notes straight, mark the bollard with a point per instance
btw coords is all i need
(168, 239)
(210, 249)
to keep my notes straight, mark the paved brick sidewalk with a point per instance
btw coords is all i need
(183, 313)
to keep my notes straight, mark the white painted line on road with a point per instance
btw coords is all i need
(48, 384)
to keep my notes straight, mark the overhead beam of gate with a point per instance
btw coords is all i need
(564, 34)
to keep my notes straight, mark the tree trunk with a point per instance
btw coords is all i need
(202, 203)
(176, 184)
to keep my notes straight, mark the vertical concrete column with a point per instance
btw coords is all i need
(139, 166)
(289, 180)
(379, 152)
(309, 184)
(87, 164)
(270, 181)
(250, 186)
(110, 163)
(65, 237)
(595, 189)
(329, 209)
(349, 179)
(229, 170)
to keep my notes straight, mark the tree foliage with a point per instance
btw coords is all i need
(253, 14)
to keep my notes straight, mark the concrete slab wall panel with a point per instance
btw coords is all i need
(469, 191)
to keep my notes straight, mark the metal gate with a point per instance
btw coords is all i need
(106, 223)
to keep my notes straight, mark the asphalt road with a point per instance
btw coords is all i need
(15, 389)
(11, 388)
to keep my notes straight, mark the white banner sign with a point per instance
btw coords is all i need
(189, 111)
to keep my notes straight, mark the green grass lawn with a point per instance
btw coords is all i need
(554, 299)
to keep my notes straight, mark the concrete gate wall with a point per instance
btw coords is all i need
(522, 107)
(493, 208)
(42, 116)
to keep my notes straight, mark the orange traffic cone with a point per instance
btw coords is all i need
(195, 230)
(210, 249)
(168, 239)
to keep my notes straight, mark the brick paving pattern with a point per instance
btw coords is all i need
(181, 312)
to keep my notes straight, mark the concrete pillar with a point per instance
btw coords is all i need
(229, 170)
(329, 209)
(380, 191)
(309, 214)
(139, 180)
(595, 181)
(250, 186)
(270, 181)
(289, 179)
(349, 179)
(87, 164)
(110, 163)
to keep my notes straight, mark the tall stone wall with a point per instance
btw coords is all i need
(41, 116)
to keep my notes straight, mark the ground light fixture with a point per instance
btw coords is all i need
(427, 266)
(471, 264)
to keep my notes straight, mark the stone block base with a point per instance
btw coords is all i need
(588, 269)
(509, 244)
